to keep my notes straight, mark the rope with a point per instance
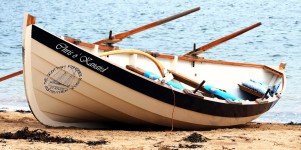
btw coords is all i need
(173, 109)
(157, 63)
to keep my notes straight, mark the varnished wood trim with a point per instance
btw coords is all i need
(164, 56)
(221, 62)
(221, 40)
(135, 69)
(269, 69)
(78, 42)
(248, 90)
(185, 58)
(11, 75)
(282, 66)
(89, 45)
(30, 20)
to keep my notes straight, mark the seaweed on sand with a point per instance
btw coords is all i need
(41, 135)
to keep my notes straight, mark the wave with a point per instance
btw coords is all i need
(4, 53)
(276, 55)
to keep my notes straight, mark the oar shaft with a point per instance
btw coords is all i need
(221, 40)
(177, 15)
(153, 24)
(123, 35)
(11, 75)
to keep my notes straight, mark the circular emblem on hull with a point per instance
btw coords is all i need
(61, 79)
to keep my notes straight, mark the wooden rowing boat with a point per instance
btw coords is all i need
(71, 83)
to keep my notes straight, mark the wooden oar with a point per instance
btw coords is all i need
(11, 75)
(221, 40)
(121, 36)
(178, 77)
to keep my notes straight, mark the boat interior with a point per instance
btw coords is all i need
(199, 76)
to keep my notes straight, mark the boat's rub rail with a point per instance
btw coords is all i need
(165, 56)
(200, 59)
(195, 59)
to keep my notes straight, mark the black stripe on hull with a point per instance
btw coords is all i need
(142, 85)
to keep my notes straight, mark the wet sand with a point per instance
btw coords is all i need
(249, 136)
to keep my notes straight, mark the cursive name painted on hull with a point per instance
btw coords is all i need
(89, 62)
(84, 59)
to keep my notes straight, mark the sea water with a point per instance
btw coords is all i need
(277, 40)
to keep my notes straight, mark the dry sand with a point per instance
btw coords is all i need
(250, 136)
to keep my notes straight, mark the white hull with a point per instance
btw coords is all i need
(95, 101)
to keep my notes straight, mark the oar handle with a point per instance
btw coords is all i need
(221, 40)
(11, 75)
(123, 35)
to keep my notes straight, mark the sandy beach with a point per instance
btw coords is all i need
(250, 136)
